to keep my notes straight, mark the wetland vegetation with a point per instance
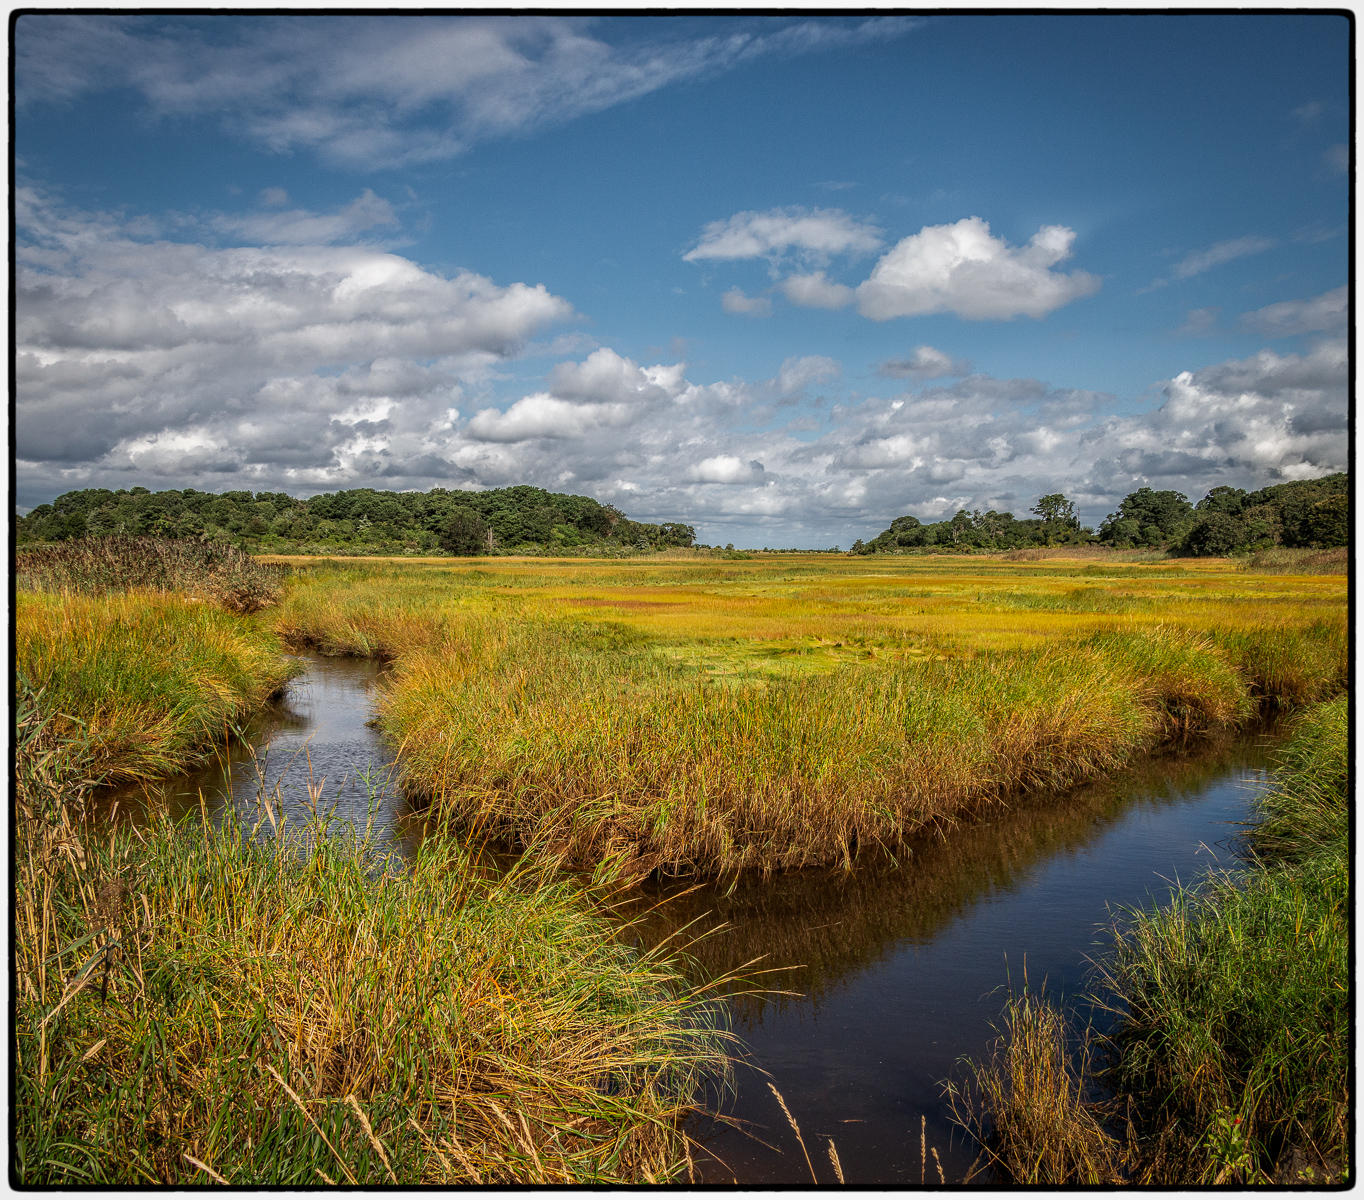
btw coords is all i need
(1231, 1059)
(190, 1004)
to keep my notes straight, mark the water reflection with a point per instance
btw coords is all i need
(817, 925)
(898, 970)
(310, 761)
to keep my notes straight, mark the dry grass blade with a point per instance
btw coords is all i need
(369, 1133)
(206, 1169)
(833, 1158)
(792, 1122)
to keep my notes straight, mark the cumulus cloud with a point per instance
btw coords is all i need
(963, 269)
(1248, 422)
(799, 373)
(736, 301)
(775, 232)
(816, 291)
(925, 362)
(604, 390)
(363, 91)
(124, 348)
(726, 468)
(1320, 313)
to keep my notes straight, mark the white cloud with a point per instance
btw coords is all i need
(737, 302)
(797, 374)
(1247, 422)
(299, 227)
(1325, 312)
(925, 362)
(1221, 252)
(816, 291)
(726, 468)
(544, 416)
(369, 92)
(1337, 158)
(778, 231)
(963, 269)
(121, 345)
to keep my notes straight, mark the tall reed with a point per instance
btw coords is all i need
(210, 571)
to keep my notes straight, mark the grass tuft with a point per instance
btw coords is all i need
(1026, 1104)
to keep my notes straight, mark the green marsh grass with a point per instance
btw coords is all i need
(1236, 998)
(187, 996)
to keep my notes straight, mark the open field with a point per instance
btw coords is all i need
(688, 713)
(681, 712)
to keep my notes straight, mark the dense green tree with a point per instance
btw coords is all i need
(1160, 519)
(362, 520)
(1059, 522)
(465, 533)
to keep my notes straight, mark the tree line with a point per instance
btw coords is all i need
(1307, 513)
(519, 520)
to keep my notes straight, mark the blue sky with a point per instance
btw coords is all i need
(781, 277)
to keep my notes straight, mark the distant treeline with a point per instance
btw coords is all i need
(362, 521)
(1310, 513)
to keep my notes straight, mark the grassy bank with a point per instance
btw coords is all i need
(701, 716)
(142, 682)
(193, 1005)
(1231, 1059)
(1236, 1034)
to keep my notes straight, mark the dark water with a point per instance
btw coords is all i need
(311, 752)
(893, 971)
(901, 971)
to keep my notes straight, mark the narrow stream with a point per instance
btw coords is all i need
(882, 979)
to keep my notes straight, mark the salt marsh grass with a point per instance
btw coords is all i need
(1230, 1062)
(786, 711)
(195, 1005)
(144, 681)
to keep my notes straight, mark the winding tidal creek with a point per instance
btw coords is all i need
(878, 981)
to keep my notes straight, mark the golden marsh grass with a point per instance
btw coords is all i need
(694, 714)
